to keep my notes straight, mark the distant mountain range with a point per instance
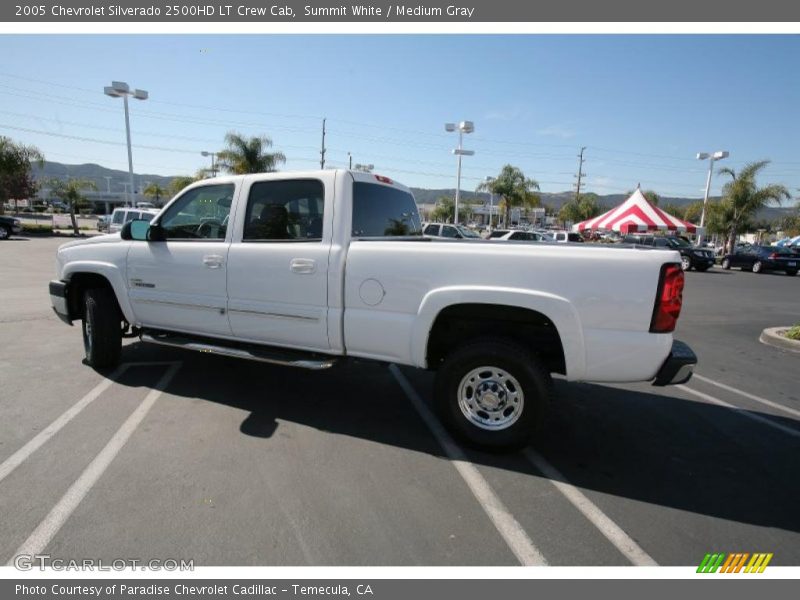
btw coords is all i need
(117, 178)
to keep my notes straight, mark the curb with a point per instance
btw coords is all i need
(771, 337)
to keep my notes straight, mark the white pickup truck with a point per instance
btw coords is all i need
(303, 269)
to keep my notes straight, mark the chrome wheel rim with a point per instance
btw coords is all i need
(756, 267)
(4, 233)
(685, 263)
(490, 398)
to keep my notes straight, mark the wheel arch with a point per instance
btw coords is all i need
(525, 315)
(93, 275)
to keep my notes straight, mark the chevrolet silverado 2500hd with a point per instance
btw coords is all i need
(305, 268)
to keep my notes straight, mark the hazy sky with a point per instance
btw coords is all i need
(643, 105)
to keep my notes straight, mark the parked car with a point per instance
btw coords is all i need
(516, 235)
(103, 221)
(9, 226)
(446, 230)
(691, 257)
(566, 236)
(120, 216)
(759, 259)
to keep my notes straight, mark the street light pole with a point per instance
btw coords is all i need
(491, 201)
(121, 89)
(712, 158)
(213, 156)
(463, 127)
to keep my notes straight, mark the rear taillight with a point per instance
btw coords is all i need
(668, 300)
(773, 256)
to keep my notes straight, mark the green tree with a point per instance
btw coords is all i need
(514, 190)
(16, 164)
(742, 198)
(676, 210)
(586, 207)
(248, 155)
(445, 210)
(180, 182)
(70, 192)
(156, 192)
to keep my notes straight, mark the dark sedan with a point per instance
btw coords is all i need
(759, 259)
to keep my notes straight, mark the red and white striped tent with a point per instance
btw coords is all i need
(636, 214)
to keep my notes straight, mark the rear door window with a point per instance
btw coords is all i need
(432, 230)
(290, 209)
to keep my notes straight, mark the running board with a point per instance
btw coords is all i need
(274, 356)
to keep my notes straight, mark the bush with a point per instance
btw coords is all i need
(793, 333)
(26, 228)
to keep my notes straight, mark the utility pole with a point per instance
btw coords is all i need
(322, 152)
(580, 175)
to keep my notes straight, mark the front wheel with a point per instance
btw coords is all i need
(686, 263)
(5, 232)
(102, 328)
(757, 266)
(493, 393)
(791, 272)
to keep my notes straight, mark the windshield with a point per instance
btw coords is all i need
(383, 211)
(676, 242)
(467, 232)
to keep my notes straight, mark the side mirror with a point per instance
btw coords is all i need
(140, 230)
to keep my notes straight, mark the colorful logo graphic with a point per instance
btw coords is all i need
(735, 562)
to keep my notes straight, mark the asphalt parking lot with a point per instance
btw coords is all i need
(186, 456)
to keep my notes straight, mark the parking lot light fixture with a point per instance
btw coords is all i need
(712, 157)
(120, 89)
(462, 128)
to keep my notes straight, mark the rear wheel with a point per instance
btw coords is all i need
(757, 266)
(493, 393)
(5, 232)
(726, 263)
(791, 272)
(102, 328)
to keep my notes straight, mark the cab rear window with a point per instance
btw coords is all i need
(383, 211)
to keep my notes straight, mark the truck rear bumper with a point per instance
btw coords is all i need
(58, 298)
(678, 367)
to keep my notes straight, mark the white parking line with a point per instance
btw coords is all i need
(610, 530)
(509, 528)
(741, 411)
(775, 405)
(16, 459)
(53, 522)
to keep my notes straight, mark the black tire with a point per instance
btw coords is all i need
(102, 328)
(757, 267)
(726, 264)
(5, 232)
(528, 387)
(791, 272)
(686, 263)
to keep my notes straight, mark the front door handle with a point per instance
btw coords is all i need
(303, 265)
(212, 261)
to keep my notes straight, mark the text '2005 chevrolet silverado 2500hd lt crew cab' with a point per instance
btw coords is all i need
(304, 268)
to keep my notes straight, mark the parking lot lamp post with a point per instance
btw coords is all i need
(213, 165)
(120, 89)
(712, 157)
(462, 127)
(488, 180)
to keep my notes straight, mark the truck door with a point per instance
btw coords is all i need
(180, 283)
(278, 263)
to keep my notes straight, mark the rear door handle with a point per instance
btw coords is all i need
(303, 265)
(212, 261)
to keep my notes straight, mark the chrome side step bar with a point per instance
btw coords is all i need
(274, 356)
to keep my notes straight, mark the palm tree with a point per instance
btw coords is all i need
(69, 191)
(155, 192)
(742, 198)
(514, 189)
(245, 155)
